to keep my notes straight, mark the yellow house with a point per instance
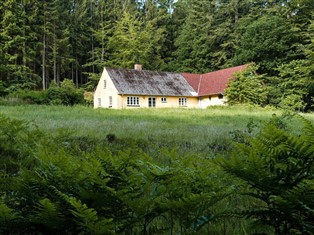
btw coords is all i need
(137, 88)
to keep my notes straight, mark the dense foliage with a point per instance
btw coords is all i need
(44, 41)
(65, 94)
(65, 184)
(247, 87)
(278, 168)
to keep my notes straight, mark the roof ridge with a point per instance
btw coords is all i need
(143, 70)
(225, 69)
(199, 84)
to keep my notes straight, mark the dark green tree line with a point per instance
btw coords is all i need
(52, 40)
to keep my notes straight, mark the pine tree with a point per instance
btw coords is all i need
(267, 42)
(224, 33)
(17, 54)
(132, 42)
(79, 38)
(193, 48)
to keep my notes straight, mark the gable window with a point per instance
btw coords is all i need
(110, 101)
(220, 96)
(182, 101)
(105, 84)
(133, 101)
(163, 99)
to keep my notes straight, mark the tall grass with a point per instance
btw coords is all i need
(202, 132)
(194, 129)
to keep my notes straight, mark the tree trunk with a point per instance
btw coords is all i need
(54, 54)
(76, 75)
(44, 57)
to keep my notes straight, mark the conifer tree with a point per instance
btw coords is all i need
(79, 39)
(16, 39)
(193, 48)
(132, 42)
(267, 42)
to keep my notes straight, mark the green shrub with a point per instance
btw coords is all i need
(29, 96)
(66, 94)
(3, 90)
(247, 88)
(293, 102)
(54, 94)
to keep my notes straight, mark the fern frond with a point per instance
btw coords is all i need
(308, 130)
(7, 214)
(88, 218)
(8, 218)
(48, 214)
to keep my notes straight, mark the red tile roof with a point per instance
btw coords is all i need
(212, 83)
(193, 80)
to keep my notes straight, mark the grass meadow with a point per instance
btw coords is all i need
(193, 129)
(183, 179)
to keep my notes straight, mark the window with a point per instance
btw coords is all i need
(105, 84)
(220, 96)
(110, 101)
(151, 102)
(99, 102)
(163, 99)
(133, 101)
(182, 101)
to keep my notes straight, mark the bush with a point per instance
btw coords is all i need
(293, 102)
(30, 97)
(3, 90)
(66, 94)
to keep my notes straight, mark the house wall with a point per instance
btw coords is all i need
(206, 101)
(103, 92)
(171, 102)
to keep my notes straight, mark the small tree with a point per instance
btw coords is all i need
(295, 83)
(66, 94)
(247, 88)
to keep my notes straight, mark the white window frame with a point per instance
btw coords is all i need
(110, 101)
(163, 99)
(133, 101)
(183, 101)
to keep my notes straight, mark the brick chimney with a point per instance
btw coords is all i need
(138, 67)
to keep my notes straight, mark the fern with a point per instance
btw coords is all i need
(48, 214)
(7, 214)
(8, 217)
(87, 217)
(278, 167)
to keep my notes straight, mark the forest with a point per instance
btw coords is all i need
(45, 42)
